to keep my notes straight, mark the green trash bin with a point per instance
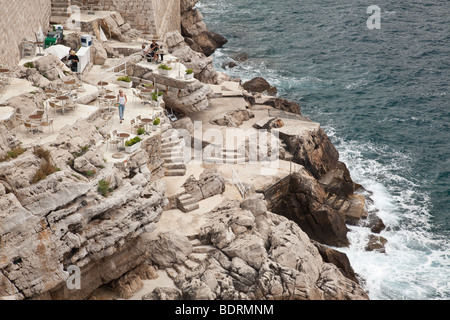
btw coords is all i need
(49, 42)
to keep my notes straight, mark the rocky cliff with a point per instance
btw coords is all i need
(62, 205)
(246, 252)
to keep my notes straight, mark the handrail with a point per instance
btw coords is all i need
(115, 74)
(238, 183)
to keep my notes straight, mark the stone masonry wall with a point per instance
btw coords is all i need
(155, 16)
(19, 20)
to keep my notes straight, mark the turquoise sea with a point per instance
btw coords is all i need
(382, 96)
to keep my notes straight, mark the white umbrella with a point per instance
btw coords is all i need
(58, 50)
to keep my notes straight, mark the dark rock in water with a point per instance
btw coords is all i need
(376, 243)
(217, 38)
(232, 64)
(240, 57)
(208, 42)
(339, 259)
(375, 223)
(257, 84)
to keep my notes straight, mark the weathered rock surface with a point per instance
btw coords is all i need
(210, 183)
(305, 204)
(202, 65)
(234, 118)
(63, 220)
(254, 256)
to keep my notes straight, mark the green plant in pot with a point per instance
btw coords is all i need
(133, 144)
(140, 131)
(125, 82)
(164, 69)
(189, 74)
(156, 123)
(157, 96)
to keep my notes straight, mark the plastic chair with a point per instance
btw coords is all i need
(171, 115)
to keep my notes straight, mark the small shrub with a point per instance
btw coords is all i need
(156, 122)
(103, 188)
(155, 95)
(42, 153)
(13, 153)
(29, 65)
(89, 173)
(124, 79)
(140, 131)
(189, 71)
(132, 141)
(164, 67)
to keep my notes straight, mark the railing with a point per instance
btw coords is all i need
(238, 183)
(116, 74)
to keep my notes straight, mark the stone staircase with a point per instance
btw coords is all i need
(172, 148)
(230, 155)
(187, 203)
(59, 12)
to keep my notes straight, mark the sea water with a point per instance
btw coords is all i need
(381, 93)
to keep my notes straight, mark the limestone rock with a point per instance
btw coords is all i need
(304, 204)
(99, 54)
(48, 66)
(234, 118)
(283, 104)
(168, 248)
(339, 259)
(210, 183)
(163, 293)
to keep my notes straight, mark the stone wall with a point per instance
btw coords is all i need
(19, 20)
(155, 16)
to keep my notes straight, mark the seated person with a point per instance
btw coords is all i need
(73, 59)
(145, 50)
(154, 47)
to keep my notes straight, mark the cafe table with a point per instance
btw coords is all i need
(123, 136)
(63, 100)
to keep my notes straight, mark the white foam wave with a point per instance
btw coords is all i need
(416, 262)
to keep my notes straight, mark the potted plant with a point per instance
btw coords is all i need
(124, 82)
(157, 96)
(133, 144)
(164, 69)
(189, 74)
(156, 123)
(140, 131)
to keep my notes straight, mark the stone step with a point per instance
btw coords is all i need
(169, 144)
(168, 133)
(225, 160)
(175, 165)
(169, 139)
(186, 199)
(57, 19)
(171, 153)
(189, 207)
(175, 159)
(175, 172)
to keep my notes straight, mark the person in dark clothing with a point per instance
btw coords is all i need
(74, 61)
(154, 47)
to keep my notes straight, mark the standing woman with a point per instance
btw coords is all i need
(121, 100)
